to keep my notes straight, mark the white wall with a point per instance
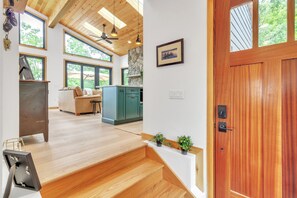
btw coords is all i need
(1, 95)
(10, 90)
(165, 21)
(55, 58)
(124, 61)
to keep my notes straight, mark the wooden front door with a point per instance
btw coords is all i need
(256, 78)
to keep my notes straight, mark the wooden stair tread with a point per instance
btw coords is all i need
(117, 182)
(164, 189)
(86, 159)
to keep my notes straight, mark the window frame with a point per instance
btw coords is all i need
(64, 48)
(44, 31)
(81, 64)
(122, 74)
(44, 63)
(291, 32)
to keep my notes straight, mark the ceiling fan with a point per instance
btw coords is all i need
(104, 36)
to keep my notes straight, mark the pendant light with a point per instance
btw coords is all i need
(114, 32)
(138, 40)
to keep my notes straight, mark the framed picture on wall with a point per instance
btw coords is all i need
(170, 53)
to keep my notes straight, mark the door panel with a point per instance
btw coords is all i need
(246, 135)
(258, 158)
(272, 129)
(289, 128)
(132, 106)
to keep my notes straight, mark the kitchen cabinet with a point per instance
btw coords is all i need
(121, 104)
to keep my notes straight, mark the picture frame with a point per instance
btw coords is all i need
(170, 53)
(25, 69)
(22, 171)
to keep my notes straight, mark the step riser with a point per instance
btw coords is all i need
(88, 175)
(142, 186)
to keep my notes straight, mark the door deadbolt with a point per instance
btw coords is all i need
(222, 111)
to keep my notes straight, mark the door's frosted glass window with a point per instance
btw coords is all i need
(241, 27)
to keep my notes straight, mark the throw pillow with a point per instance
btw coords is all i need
(88, 91)
(78, 91)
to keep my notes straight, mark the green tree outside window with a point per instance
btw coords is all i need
(272, 22)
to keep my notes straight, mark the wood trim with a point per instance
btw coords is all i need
(210, 100)
(33, 47)
(234, 3)
(59, 11)
(35, 81)
(194, 150)
(291, 20)
(174, 144)
(255, 25)
(168, 174)
(45, 32)
(39, 56)
(53, 107)
(257, 55)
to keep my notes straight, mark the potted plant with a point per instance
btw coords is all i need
(185, 144)
(159, 139)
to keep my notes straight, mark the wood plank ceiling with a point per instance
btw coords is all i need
(75, 13)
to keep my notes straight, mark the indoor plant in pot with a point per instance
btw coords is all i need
(185, 144)
(159, 139)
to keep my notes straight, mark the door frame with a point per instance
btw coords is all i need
(210, 101)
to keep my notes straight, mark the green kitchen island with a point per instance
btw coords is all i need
(121, 104)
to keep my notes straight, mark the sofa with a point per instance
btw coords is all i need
(76, 101)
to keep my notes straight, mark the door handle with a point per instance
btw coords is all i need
(223, 127)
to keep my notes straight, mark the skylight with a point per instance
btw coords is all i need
(90, 27)
(110, 17)
(134, 4)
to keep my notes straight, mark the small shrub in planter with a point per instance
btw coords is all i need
(159, 139)
(185, 144)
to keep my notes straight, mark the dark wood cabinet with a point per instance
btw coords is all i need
(34, 108)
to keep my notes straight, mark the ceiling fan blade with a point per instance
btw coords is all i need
(113, 39)
(94, 36)
(99, 39)
(108, 41)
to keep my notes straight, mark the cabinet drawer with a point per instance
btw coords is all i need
(132, 90)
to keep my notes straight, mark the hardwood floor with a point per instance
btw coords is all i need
(77, 142)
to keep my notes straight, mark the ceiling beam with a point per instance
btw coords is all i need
(59, 11)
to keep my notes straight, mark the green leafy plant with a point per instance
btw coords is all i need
(159, 139)
(185, 143)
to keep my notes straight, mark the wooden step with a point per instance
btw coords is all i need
(56, 188)
(164, 189)
(127, 182)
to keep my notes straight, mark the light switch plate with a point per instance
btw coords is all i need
(176, 94)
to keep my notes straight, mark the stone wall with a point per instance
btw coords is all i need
(135, 62)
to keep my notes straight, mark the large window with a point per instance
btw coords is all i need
(77, 47)
(87, 76)
(37, 65)
(32, 30)
(125, 78)
(272, 22)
